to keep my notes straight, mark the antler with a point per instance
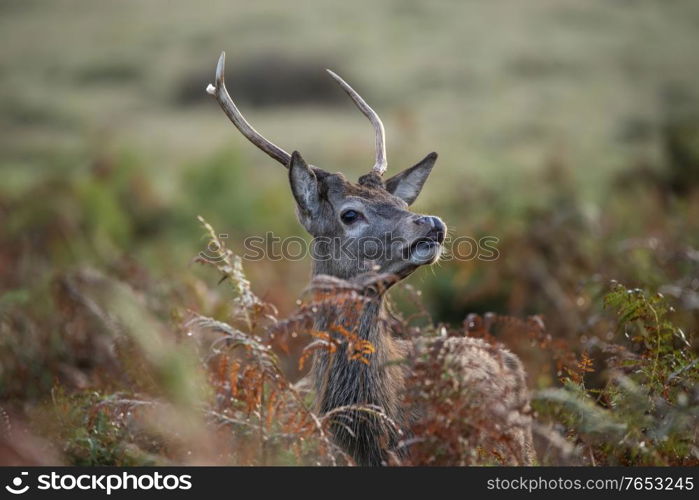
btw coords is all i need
(381, 163)
(224, 99)
(220, 92)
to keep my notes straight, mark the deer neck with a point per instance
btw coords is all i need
(341, 382)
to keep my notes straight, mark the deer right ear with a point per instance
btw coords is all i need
(408, 183)
(304, 185)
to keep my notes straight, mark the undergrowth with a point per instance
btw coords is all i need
(645, 411)
(210, 380)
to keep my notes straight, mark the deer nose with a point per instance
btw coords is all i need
(437, 228)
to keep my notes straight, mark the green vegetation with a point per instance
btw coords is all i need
(646, 412)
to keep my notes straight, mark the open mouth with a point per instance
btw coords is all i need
(423, 250)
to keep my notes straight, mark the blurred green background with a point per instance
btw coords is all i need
(567, 129)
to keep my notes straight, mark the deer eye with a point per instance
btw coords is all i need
(350, 216)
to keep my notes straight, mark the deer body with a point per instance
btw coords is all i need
(367, 227)
(492, 376)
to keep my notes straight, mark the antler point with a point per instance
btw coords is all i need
(220, 68)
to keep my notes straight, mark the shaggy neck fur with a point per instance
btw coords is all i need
(341, 382)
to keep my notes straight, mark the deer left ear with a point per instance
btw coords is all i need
(304, 185)
(408, 183)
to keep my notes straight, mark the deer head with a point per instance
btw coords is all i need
(357, 227)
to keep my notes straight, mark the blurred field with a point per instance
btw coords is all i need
(569, 130)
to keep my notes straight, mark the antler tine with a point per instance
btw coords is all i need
(224, 100)
(381, 162)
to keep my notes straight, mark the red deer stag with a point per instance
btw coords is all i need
(372, 222)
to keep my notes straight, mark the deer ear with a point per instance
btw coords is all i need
(304, 184)
(408, 183)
